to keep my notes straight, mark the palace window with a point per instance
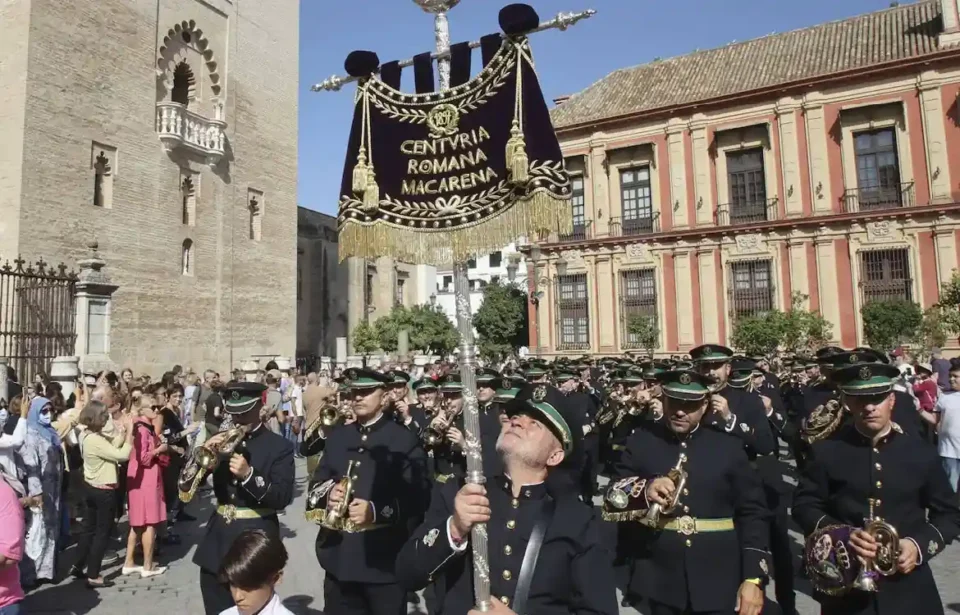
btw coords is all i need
(573, 314)
(472, 263)
(878, 171)
(401, 289)
(186, 257)
(750, 288)
(748, 188)
(636, 197)
(578, 209)
(885, 275)
(638, 299)
(496, 259)
(447, 284)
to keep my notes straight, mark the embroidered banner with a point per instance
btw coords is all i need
(442, 177)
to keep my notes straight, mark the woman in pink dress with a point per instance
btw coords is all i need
(147, 508)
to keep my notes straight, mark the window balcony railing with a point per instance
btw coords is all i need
(180, 127)
(747, 212)
(581, 232)
(631, 227)
(872, 198)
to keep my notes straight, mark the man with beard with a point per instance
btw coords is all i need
(700, 507)
(565, 570)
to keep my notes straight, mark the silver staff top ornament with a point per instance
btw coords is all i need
(436, 6)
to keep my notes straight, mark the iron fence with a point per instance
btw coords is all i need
(37, 315)
(872, 198)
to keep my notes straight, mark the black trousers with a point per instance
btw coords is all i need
(782, 555)
(341, 598)
(216, 595)
(661, 609)
(95, 528)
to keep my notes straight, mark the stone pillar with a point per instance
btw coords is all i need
(790, 156)
(827, 275)
(403, 346)
(356, 307)
(94, 302)
(65, 370)
(703, 195)
(342, 352)
(250, 368)
(4, 388)
(817, 153)
(678, 173)
(283, 364)
(934, 137)
(596, 193)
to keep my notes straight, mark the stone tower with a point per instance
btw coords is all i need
(166, 130)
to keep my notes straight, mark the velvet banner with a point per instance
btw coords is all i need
(440, 177)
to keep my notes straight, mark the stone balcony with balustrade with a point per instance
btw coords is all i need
(180, 127)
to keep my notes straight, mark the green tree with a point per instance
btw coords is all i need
(949, 305)
(646, 330)
(932, 332)
(387, 328)
(759, 334)
(431, 331)
(501, 321)
(888, 324)
(802, 330)
(365, 340)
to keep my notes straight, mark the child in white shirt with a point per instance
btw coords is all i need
(253, 567)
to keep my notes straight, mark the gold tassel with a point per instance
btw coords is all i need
(361, 171)
(520, 166)
(371, 193)
(515, 141)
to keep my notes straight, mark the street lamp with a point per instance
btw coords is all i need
(513, 265)
(561, 264)
(433, 298)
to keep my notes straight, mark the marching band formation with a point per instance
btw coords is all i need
(694, 518)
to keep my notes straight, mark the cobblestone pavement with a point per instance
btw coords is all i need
(178, 591)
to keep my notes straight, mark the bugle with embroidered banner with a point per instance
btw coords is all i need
(441, 177)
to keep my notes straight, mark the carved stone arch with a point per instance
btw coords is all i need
(173, 51)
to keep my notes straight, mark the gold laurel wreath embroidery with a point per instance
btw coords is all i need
(468, 102)
(455, 205)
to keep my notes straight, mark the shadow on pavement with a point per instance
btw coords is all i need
(300, 605)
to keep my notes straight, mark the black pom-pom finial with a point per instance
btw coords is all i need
(361, 63)
(516, 19)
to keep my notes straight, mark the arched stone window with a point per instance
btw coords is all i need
(188, 197)
(184, 84)
(102, 181)
(186, 258)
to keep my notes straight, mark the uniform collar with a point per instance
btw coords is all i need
(536, 491)
(891, 429)
(371, 425)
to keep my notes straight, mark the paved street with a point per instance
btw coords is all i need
(178, 590)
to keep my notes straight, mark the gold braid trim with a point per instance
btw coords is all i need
(627, 515)
(542, 211)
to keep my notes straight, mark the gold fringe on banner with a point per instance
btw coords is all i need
(540, 212)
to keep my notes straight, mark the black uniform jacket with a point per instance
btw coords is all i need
(904, 475)
(751, 425)
(391, 476)
(574, 572)
(270, 487)
(702, 570)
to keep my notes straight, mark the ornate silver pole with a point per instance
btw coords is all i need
(468, 349)
(561, 22)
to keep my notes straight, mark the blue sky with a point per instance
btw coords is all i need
(622, 33)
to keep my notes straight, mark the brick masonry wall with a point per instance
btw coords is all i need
(92, 78)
